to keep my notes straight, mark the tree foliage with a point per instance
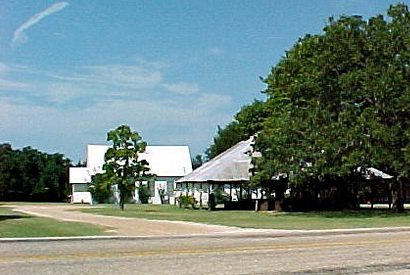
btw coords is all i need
(31, 175)
(340, 100)
(197, 161)
(122, 164)
(247, 122)
(100, 187)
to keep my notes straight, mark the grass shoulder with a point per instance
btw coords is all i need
(365, 218)
(18, 225)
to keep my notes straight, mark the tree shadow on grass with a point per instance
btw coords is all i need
(368, 213)
(4, 217)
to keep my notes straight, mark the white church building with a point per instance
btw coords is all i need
(168, 163)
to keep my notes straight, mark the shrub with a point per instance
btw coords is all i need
(187, 200)
(143, 193)
(100, 188)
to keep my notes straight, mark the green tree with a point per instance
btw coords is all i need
(247, 122)
(6, 163)
(197, 161)
(121, 160)
(31, 175)
(100, 187)
(337, 101)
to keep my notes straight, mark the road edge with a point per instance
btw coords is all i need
(250, 233)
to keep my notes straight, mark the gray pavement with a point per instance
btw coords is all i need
(360, 253)
(161, 247)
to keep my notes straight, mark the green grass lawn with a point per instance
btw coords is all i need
(250, 219)
(14, 225)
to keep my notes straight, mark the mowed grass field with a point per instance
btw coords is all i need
(365, 218)
(15, 225)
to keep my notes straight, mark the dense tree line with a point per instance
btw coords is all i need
(31, 175)
(336, 101)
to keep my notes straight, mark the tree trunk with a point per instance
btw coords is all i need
(278, 205)
(211, 202)
(122, 200)
(397, 197)
(280, 190)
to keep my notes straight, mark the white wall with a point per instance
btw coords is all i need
(95, 158)
(79, 175)
(81, 197)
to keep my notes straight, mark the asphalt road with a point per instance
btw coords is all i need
(361, 253)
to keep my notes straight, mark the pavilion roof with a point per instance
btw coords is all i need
(230, 166)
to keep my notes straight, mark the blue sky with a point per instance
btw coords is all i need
(173, 70)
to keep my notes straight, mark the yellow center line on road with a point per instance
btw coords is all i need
(195, 251)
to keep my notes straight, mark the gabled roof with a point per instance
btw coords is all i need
(230, 166)
(168, 160)
(164, 161)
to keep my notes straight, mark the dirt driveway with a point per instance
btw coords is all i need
(123, 226)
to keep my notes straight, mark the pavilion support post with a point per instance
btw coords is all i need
(371, 196)
(201, 188)
(200, 199)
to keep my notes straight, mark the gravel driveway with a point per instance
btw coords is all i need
(120, 225)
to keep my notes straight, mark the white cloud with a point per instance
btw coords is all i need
(98, 81)
(217, 51)
(3, 68)
(64, 111)
(214, 100)
(12, 85)
(19, 36)
(123, 75)
(182, 88)
(69, 130)
(62, 92)
(8, 84)
(134, 76)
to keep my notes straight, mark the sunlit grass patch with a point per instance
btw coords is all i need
(15, 224)
(268, 220)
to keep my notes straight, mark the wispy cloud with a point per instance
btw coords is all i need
(8, 84)
(123, 75)
(95, 82)
(216, 51)
(11, 85)
(88, 101)
(163, 121)
(182, 88)
(19, 36)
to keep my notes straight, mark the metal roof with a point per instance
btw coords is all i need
(371, 173)
(230, 166)
(164, 161)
